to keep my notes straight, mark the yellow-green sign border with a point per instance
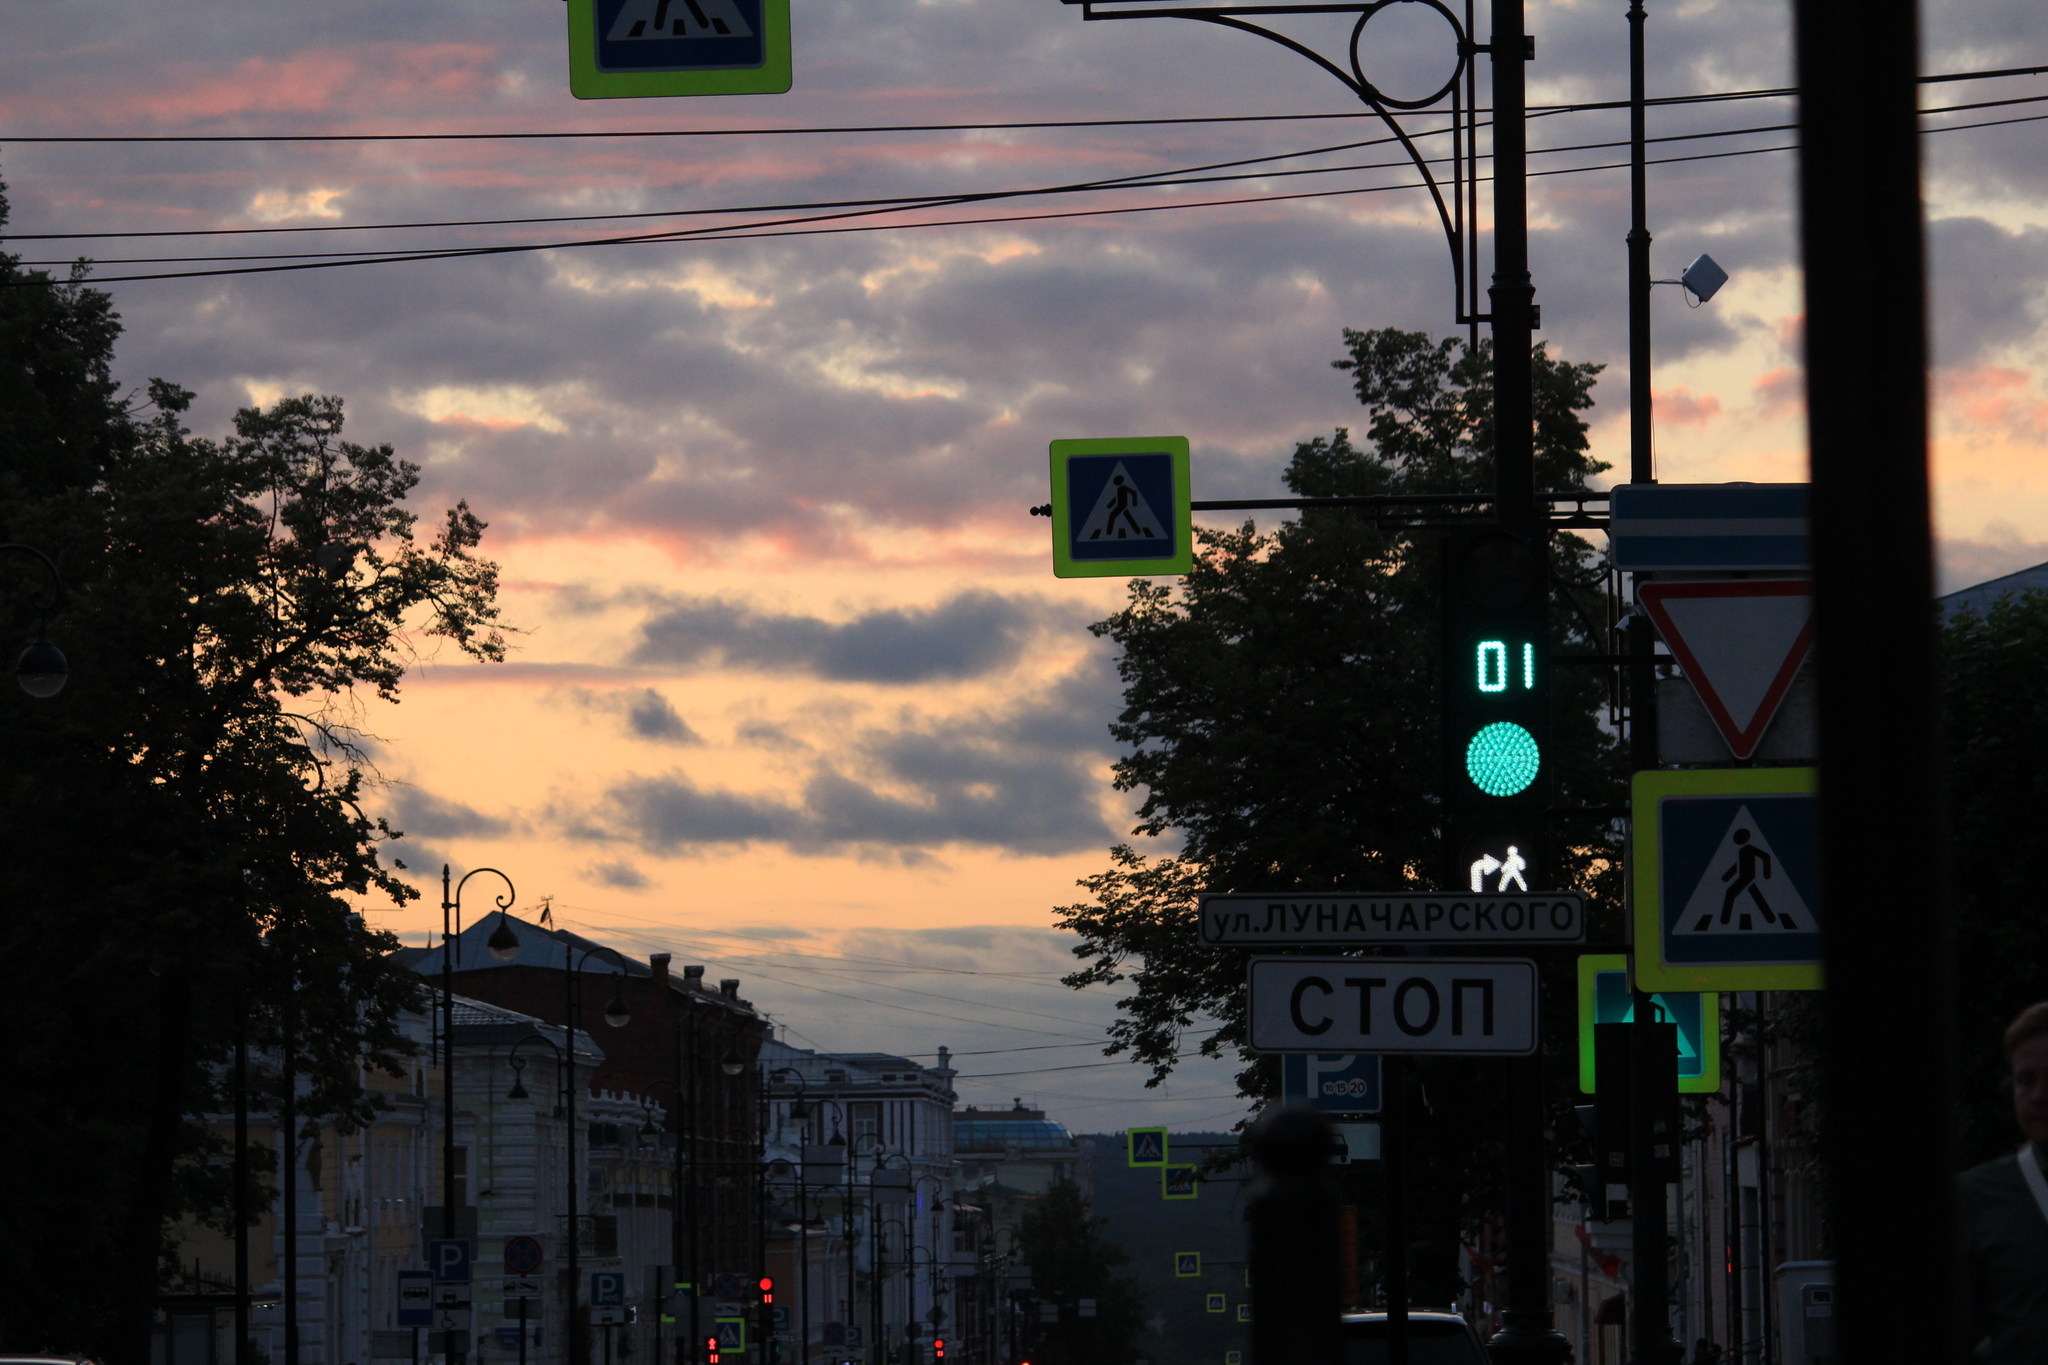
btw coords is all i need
(1166, 1180)
(1180, 1274)
(587, 82)
(1131, 1147)
(1708, 1082)
(1653, 973)
(1183, 560)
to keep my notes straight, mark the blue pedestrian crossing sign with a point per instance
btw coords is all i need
(732, 1333)
(1216, 1303)
(1605, 998)
(1187, 1265)
(1178, 1182)
(1147, 1146)
(1336, 1083)
(1727, 880)
(640, 48)
(1121, 507)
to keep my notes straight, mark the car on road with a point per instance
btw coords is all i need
(1434, 1338)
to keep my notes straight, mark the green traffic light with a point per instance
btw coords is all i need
(1502, 759)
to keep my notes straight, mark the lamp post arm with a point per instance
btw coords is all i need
(49, 566)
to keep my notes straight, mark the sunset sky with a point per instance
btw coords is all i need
(796, 693)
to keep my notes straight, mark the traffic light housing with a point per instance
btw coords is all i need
(938, 1348)
(711, 1350)
(1495, 598)
(767, 1290)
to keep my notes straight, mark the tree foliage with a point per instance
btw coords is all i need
(1071, 1260)
(1280, 719)
(190, 844)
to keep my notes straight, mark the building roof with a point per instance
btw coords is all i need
(479, 1022)
(994, 1130)
(550, 950)
(1980, 596)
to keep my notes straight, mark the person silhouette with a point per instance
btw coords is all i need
(1511, 869)
(1744, 875)
(1121, 507)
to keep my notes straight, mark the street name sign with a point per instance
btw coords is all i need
(1605, 998)
(640, 48)
(1690, 527)
(1463, 1006)
(1121, 506)
(1336, 1083)
(1741, 643)
(1334, 919)
(1727, 880)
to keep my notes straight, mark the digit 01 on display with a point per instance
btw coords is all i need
(1496, 711)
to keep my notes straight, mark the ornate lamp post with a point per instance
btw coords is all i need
(42, 670)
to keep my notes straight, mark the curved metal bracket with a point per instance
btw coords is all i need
(1459, 215)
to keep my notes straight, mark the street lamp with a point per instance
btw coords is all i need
(618, 1016)
(503, 944)
(42, 670)
(451, 930)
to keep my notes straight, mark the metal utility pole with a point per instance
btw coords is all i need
(1640, 449)
(1880, 747)
(244, 1355)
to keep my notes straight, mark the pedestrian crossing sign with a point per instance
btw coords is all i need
(1187, 1265)
(1216, 1303)
(1121, 507)
(1727, 880)
(1147, 1146)
(1179, 1182)
(1605, 998)
(643, 48)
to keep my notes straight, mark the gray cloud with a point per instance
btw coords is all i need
(645, 712)
(1023, 779)
(966, 636)
(421, 814)
(1985, 286)
(620, 874)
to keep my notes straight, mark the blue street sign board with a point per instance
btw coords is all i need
(732, 1333)
(1727, 880)
(629, 48)
(1179, 1182)
(1187, 1265)
(415, 1298)
(449, 1261)
(1120, 506)
(853, 1336)
(607, 1288)
(1692, 526)
(1147, 1146)
(1605, 998)
(1336, 1083)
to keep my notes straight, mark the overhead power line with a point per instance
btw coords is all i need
(1003, 126)
(807, 226)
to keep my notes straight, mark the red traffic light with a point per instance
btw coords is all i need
(938, 1348)
(767, 1289)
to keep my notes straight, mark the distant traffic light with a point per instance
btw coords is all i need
(767, 1289)
(711, 1350)
(1496, 707)
(938, 1348)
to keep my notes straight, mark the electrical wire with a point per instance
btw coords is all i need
(1012, 126)
(800, 226)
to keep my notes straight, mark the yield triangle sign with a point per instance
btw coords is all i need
(1741, 643)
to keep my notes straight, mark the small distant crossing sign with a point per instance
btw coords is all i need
(1121, 507)
(1147, 1146)
(1727, 880)
(1217, 1303)
(1179, 1182)
(627, 48)
(1605, 998)
(1187, 1265)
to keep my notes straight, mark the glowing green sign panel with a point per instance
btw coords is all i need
(1604, 998)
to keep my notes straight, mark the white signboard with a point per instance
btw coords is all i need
(1437, 1006)
(1285, 918)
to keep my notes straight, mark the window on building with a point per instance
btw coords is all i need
(866, 1118)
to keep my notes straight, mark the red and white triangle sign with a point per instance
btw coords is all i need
(1740, 642)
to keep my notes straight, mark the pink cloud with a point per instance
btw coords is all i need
(1781, 391)
(1679, 407)
(1994, 400)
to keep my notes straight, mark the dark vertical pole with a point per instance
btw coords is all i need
(1394, 1170)
(1513, 294)
(1653, 1090)
(243, 1354)
(1641, 450)
(523, 1301)
(696, 1179)
(288, 1159)
(572, 1334)
(1866, 386)
(448, 1223)
(1292, 1218)
(675, 1233)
